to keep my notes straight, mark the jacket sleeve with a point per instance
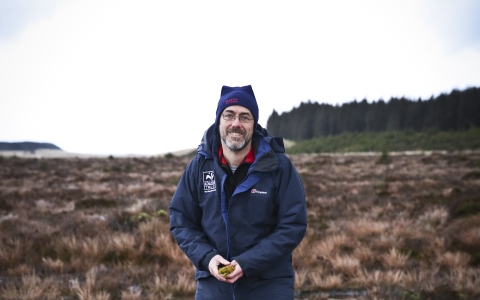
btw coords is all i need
(290, 230)
(185, 219)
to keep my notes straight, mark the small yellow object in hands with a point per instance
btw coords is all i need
(224, 271)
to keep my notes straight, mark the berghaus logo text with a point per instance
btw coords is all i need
(255, 191)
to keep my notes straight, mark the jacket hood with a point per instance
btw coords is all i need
(211, 141)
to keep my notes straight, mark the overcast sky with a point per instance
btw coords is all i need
(144, 77)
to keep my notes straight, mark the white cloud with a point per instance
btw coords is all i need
(144, 77)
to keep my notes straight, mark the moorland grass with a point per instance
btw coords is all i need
(407, 228)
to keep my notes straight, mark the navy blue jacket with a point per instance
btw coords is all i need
(264, 221)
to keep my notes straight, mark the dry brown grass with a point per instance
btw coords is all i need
(347, 264)
(166, 287)
(470, 237)
(88, 290)
(395, 259)
(404, 226)
(326, 282)
(97, 228)
(456, 260)
(31, 287)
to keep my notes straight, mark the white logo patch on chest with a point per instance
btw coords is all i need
(209, 182)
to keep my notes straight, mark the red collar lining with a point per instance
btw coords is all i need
(249, 158)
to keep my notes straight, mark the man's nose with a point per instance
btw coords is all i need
(236, 122)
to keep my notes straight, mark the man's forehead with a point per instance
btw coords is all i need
(238, 109)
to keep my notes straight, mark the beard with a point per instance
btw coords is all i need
(237, 144)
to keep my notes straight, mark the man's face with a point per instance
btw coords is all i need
(236, 134)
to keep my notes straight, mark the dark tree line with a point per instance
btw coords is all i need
(458, 110)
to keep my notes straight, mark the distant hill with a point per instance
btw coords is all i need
(26, 146)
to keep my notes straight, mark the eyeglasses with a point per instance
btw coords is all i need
(242, 118)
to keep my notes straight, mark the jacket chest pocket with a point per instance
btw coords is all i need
(260, 207)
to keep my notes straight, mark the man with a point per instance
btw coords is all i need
(240, 202)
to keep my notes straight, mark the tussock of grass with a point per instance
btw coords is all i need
(31, 287)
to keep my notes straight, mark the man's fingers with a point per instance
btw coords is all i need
(223, 261)
(213, 266)
(219, 277)
(236, 274)
(218, 259)
(233, 279)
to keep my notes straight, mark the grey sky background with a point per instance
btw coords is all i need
(144, 77)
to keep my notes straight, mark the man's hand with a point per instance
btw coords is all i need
(213, 266)
(236, 274)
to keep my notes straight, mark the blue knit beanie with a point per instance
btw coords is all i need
(242, 96)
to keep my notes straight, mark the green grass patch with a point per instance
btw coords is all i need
(387, 141)
(94, 203)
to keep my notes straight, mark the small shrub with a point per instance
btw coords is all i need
(174, 180)
(390, 179)
(4, 205)
(94, 203)
(161, 213)
(472, 175)
(477, 163)
(468, 207)
(127, 168)
(384, 158)
(382, 189)
(141, 217)
(475, 259)
(43, 166)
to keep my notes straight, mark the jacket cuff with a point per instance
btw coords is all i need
(240, 263)
(206, 260)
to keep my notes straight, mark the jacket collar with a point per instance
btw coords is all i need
(249, 158)
(263, 143)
